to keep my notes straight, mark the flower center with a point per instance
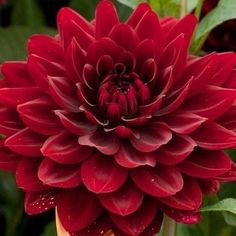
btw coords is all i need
(121, 93)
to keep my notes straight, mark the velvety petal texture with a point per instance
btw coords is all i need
(114, 123)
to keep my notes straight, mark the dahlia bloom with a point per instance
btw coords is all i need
(115, 124)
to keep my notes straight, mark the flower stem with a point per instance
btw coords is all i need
(199, 8)
(169, 227)
(183, 7)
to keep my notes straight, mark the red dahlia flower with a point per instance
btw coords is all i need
(114, 123)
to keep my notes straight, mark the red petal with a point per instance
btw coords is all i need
(26, 175)
(209, 186)
(183, 122)
(149, 71)
(64, 148)
(101, 174)
(38, 115)
(138, 14)
(9, 122)
(176, 150)
(201, 69)
(73, 201)
(174, 101)
(90, 76)
(136, 122)
(189, 198)
(38, 202)
(16, 74)
(102, 225)
(8, 159)
(227, 119)
(123, 131)
(26, 143)
(167, 23)
(185, 217)
(46, 46)
(106, 143)
(94, 116)
(165, 82)
(64, 93)
(161, 181)
(75, 32)
(121, 33)
(226, 63)
(228, 176)
(145, 50)
(57, 175)
(127, 58)
(186, 26)
(124, 201)
(117, 231)
(104, 67)
(40, 68)
(151, 137)
(66, 15)
(155, 226)
(12, 97)
(152, 107)
(86, 96)
(105, 17)
(76, 123)
(149, 28)
(214, 137)
(104, 46)
(231, 81)
(211, 103)
(137, 222)
(175, 55)
(75, 58)
(129, 157)
(206, 164)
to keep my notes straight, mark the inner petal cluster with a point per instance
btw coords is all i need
(115, 85)
(121, 93)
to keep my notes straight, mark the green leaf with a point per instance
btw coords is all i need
(131, 3)
(225, 10)
(227, 190)
(50, 230)
(218, 226)
(166, 7)
(27, 13)
(232, 153)
(192, 5)
(123, 10)
(228, 204)
(86, 8)
(230, 218)
(13, 41)
(9, 191)
(11, 203)
(171, 7)
(186, 230)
